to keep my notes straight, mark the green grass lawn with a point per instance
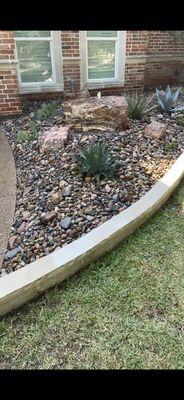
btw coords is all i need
(123, 311)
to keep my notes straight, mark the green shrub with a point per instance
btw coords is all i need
(167, 99)
(170, 146)
(180, 120)
(34, 132)
(22, 136)
(29, 135)
(139, 105)
(47, 111)
(96, 161)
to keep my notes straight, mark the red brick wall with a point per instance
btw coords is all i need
(160, 71)
(70, 51)
(163, 42)
(9, 93)
(71, 71)
(70, 43)
(46, 96)
(6, 45)
(164, 73)
(137, 43)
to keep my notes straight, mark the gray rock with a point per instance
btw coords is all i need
(26, 215)
(115, 197)
(12, 253)
(67, 191)
(90, 218)
(66, 222)
(17, 223)
(90, 211)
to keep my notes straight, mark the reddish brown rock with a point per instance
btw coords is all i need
(155, 130)
(54, 138)
(48, 217)
(26, 215)
(12, 242)
(56, 198)
(109, 111)
(21, 228)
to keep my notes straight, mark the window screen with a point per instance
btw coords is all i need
(101, 54)
(34, 61)
(34, 56)
(101, 59)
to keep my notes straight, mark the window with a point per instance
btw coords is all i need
(39, 60)
(101, 51)
(103, 57)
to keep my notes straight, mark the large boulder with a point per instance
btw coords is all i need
(108, 112)
(53, 138)
(155, 130)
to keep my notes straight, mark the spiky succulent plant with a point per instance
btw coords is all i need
(167, 99)
(96, 161)
(139, 104)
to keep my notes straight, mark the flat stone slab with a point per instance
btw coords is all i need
(53, 138)
(109, 111)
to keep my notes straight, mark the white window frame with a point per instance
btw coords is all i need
(56, 61)
(120, 54)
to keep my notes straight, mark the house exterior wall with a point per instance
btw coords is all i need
(165, 62)
(9, 93)
(152, 58)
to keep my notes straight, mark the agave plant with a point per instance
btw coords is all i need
(139, 104)
(96, 161)
(167, 99)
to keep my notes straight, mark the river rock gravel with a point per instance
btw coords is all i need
(55, 205)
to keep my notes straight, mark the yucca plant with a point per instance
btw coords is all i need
(167, 99)
(47, 111)
(139, 104)
(96, 161)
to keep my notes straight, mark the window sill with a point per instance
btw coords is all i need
(103, 85)
(41, 89)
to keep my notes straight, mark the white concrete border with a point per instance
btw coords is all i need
(23, 285)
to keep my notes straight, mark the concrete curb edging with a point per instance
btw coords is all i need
(8, 182)
(23, 285)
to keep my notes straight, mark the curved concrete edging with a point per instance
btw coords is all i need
(23, 285)
(8, 182)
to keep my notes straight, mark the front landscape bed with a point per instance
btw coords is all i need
(23, 285)
(124, 312)
(48, 183)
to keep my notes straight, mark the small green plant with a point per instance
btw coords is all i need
(96, 161)
(29, 135)
(180, 120)
(167, 99)
(139, 105)
(22, 136)
(47, 111)
(34, 132)
(170, 146)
